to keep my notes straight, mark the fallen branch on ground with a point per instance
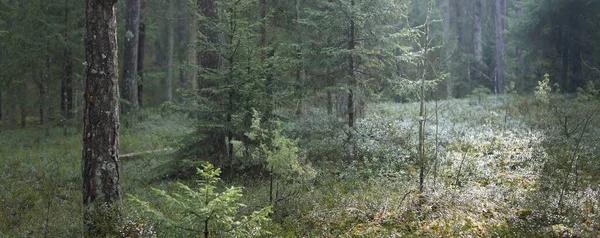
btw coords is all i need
(144, 152)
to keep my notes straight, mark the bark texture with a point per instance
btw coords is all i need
(101, 120)
(130, 86)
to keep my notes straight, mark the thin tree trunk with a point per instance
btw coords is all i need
(181, 47)
(101, 121)
(448, 43)
(141, 54)
(351, 81)
(477, 35)
(140, 64)
(12, 110)
(170, 54)
(66, 85)
(43, 87)
(300, 71)
(330, 79)
(422, 115)
(23, 109)
(1, 107)
(499, 15)
(192, 51)
(130, 89)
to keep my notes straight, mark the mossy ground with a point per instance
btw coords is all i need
(487, 182)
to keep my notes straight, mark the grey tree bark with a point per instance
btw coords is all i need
(130, 86)
(499, 18)
(101, 121)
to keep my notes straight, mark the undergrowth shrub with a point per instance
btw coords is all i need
(204, 210)
(567, 189)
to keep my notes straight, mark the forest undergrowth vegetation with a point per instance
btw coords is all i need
(497, 166)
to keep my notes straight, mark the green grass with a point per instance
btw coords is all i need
(40, 176)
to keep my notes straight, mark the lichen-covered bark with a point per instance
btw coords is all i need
(130, 86)
(101, 120)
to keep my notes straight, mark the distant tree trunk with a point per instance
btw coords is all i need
(130, 86)
(300, 71)
(351, 81)
(66, 84)
(170, 54)
(23, 108)
(477, 36)
(181, 47)
(12, 109)
(330, 81)
(269, 75)
(448, 43)
(1, 107)
(499, 15)
(141, 54)
(101, 121)
(207, 58)
(43, 87)
(22, 102)
(192, 52)
(575, 23)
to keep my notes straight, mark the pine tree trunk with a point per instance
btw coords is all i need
(141, 54)
(130, 86)
(499, 15)
(101, 121)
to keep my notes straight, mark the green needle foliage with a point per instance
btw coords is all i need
(275, 153)
(205, 210)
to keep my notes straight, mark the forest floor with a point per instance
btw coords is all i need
(484, 178)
